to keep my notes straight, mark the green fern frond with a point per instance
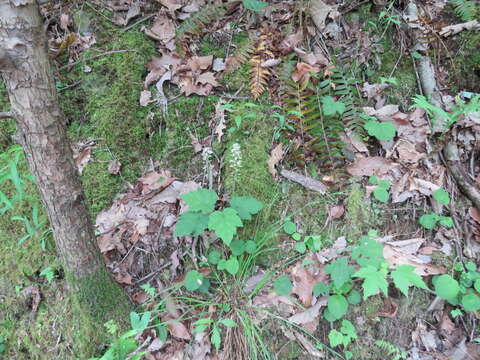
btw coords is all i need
(195, 24)
(391, 349)
(345, 89)
(466, 10)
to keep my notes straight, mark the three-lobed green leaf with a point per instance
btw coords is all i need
(202, 200)
(374, 280)
(246, 206)
(225, 223)
(404, 276)
(191, 223)
(339, 271)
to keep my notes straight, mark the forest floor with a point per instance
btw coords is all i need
(332, 221)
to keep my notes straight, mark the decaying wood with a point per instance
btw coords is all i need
(6, 115)
(305, 181)
(460, 175)
(455, 29)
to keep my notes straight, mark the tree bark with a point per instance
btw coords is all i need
(26, 71)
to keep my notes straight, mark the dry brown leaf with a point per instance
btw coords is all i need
(207, 78)
(303, 71)
(83, 158)
(163, 29)
(319, 12)
(310, 314)
(220, 117)
(177, 329)
(197, 63)
(145, 98)
(303, 283)
(114, 167)
(395, 257)
(407, 152)
(309, 58)
(389, 310)
(172, 5)
(336, 212)
(369, 166)
(275, 157)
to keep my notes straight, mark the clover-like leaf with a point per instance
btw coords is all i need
(193, 280)
(225, 224)
(337, 306)
(441, 195)
(381, 194)
(246, 206)
(428, 221)
(237, 247)
(202, 200)
(446, 287)
(404, 276)
(471, 302)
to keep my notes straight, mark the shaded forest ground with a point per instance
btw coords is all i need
(101, 101)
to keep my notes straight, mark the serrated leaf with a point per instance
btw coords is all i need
(404, 276)
(191, 223)
(471, 302)
(381, 130)
(332, 107)
(374, 280)
(441, 195)
(446, 287)
(216, 338)
(381, 194)
(337, 306)
(193, 280)
(225, 224)
(246, 206)
(321, 289)
(368, 252)
(477, 285)
(202, 200)
(283, 286)
(228, 323)
(339, 271)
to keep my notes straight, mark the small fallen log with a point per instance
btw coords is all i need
(305, 181)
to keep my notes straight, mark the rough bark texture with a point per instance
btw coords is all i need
(26, 71)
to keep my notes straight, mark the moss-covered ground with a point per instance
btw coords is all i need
(103, 105)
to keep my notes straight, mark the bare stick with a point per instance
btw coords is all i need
(6, 115)
(307, 182)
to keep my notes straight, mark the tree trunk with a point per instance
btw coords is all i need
(26, 71)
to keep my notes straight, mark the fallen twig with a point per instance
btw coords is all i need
(305, 181)
(455, 29)
(6, 115)
(452, 160)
